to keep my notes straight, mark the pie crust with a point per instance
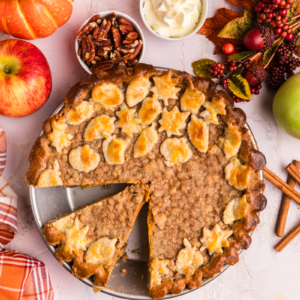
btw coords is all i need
(198, 161)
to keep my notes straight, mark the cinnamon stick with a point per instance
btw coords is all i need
(280, 184)
(294, 172)
(285, 204)
(287, 239)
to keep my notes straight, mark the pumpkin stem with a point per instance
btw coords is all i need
(7, 70)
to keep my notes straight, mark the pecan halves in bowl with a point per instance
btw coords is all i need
(109, 41)
(116, 36)
(103, 65)
(130, 37)
(86, 30)
(101, 32)
(87, 49)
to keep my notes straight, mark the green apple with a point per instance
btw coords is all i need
(286, 106)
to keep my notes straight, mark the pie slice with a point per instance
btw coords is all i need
(181, 136)
(94, 237)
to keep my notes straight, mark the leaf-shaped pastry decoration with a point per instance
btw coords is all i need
(240, 55)
(201, 67)
(239, 86)
(213, 26)
(237, 28)
(250, 4)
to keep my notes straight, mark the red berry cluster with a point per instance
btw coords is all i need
(237, 100)
(274, 12)
(222, 71)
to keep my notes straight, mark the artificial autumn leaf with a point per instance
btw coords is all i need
(240, 55)
(298, 9)
(250, 4)
(294, 7)
(269, 53)
(298, 47)
(213, 26)
(237, 28)
(201, 67)
(239, 86)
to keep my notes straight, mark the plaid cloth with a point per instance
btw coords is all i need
(21, 277)
(3, 146)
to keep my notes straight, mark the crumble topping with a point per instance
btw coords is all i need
(146, 141)
(84, 159)
(237, 175)
(165, 87)
(235, 210)
(149, 111)
(101, 252)
(59, 138)
(50, 177)
(188, 259)
(215, 239)
(198, 132)
(137, 90)
(100, 127)
(172, 122)
(80, 113)
(107, 95)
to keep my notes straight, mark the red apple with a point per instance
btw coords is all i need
(25, 78)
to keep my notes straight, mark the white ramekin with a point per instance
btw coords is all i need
(199, 25)
(119, 15)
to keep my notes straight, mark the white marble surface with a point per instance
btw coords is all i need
(262, 273)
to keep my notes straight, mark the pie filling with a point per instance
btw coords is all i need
(171, 131)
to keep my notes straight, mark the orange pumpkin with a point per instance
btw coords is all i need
(32, 19)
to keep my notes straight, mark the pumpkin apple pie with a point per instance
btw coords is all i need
(178, 134)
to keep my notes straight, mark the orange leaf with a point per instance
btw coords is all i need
(213, 26)
(247, 3)
(298, 9)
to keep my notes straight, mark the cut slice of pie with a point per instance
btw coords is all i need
(94, 237)
(181, 136)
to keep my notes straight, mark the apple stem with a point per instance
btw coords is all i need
(6, 70)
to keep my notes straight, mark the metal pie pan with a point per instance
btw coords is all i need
(48, 203)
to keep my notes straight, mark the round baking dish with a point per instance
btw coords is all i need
(103, 15)
(48, 203)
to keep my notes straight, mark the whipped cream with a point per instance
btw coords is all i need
(172, 18)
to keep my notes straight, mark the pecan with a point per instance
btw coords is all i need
(125, 28)
(97, 58)
(108, 49)
(124, 21)
(79, 51)
(116, 36)
(86, 30)
(103, 65)
(115, 55)
(88, 49)
(133, 45)
(125, 50)
(130, 37)
(132, 62)
(104, 42)
(101, 52)
(112, 17)
(105, 56)
(137, 50)
(100, 33)
(94, 19)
